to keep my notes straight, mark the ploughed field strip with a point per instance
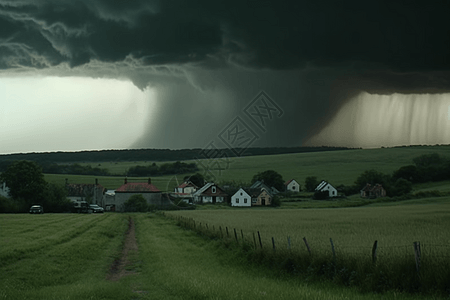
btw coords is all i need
(130, 247)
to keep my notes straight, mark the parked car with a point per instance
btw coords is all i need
(37, 209)
(95, 208)
(80, 207)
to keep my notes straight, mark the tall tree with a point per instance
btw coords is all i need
(25, 181)
(270, 178)
(311, 183)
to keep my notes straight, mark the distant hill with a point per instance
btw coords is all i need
(152, 154)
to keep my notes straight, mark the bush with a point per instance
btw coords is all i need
(321, 195)
(136, 203)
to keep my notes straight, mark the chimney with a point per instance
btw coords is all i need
(126, 181)
(149, 180)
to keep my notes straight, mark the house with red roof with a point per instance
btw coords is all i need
(292, 186)
(150, 193)
(186, 187)
(184, 192)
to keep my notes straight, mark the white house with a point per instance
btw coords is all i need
(325, 186)
(4, 190)
(241, 198)
(186, 187)
(292, 186)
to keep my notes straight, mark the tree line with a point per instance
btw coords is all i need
(27, 187)
(151, 154)
(164, 169)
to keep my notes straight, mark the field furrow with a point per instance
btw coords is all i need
(25, 244)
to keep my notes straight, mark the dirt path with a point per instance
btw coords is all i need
(119, 267)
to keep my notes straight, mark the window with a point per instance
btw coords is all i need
(241, 194)
(237, 200)
(245, 200)
(213, 189)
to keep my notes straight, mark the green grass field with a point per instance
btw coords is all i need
(353, 232)
(338, 167)
(68, 256)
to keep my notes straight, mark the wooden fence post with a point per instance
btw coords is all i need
(242, 235)
(226, 227)
(332, 249)
(417, 255)
(259, 237)
(221, 234)
(273, 244)
(235, 235)
(374, 252)
(307, 246)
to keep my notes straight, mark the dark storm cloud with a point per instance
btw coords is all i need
(403, 36)
(311, 56)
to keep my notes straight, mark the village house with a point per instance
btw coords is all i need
(325, 186)
(210, 193)
(292, 186)
(109, 200)
(184, 192)
(261, 185)
(244, 197)
(373, 191)
(92, 193)
(150, 193)
(263, 198)
(186, 187)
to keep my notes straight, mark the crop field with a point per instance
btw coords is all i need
(352, 231)
(72, 256)
(163, 183)
(337, 167)
(59, 256)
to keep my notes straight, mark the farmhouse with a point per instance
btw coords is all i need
(92, 193)
(210, 193)
(263, 198)
(372, 192)
(292, 186)
(325, 186)
(109, 200)
(261, 185)
(244, 197)
(150, 193)
(4, 190)
(186, 187)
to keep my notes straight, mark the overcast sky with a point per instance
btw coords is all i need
(100, 74)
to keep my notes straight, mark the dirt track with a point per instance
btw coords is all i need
(119, 267)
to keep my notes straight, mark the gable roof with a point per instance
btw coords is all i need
(289, 181)
(187, 184)
(206, 187)
(137, 187)
(203, 188)
(260, 185)
(322, 185)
